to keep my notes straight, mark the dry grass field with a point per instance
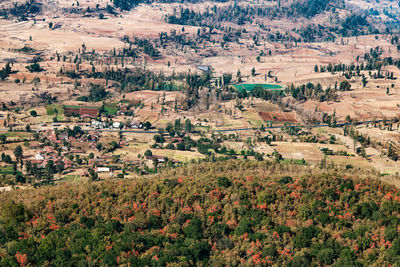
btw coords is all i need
(84, 42)
(289, 64)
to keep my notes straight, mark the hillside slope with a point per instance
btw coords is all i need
(227, 213)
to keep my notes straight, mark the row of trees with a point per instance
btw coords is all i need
(311, 91)
(370, 62)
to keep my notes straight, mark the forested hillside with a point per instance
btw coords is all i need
(216, 214)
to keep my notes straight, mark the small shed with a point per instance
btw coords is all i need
(204, 68)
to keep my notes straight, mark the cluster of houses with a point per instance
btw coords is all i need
(46, 153)
(95, 124)
(69, 148)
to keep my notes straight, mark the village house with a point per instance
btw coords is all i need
(116, 125)
(97, 124)
(160, 159)
(63, 136)
(49, 150)
(34, 144)
(39, 156)
(93, 136)
(103, 169)
(136, 125)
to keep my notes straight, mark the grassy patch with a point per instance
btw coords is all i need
(53, 109)
(202, 128)
(75, 106)
(7, 170)
(110, 109)
(50, 110)
(253, 119)
(266, 107)
(16, 134)
(72, 179)
(60, 117)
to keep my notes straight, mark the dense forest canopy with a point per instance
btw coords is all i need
(233, 212)
(30, 7)
(243, 12)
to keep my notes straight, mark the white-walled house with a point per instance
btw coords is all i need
(103, 169)
(39, 156)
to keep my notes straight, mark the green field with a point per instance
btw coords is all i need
(72, 179)
(7, 170)
(110, 109)
(250, 87)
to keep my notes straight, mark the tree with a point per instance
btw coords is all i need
(177, 125)
(28, 128)
(5, 72)
(180, 146)
(188, 126)
(99, 146)
(76, 131)
(33, 113)
(158, 138)
(34, 67)
(14, 214)
(96, 93)
(15, 168)
(258, 156)
(170, 146)
(364, 81)
(93, 175)
(147, 125)
(19, 178)
(18, 152)
(392, 153)
(113, 145)
(170, 129)
(344, 86)
(361, 151)
(278, 157)
(239, 76)
(50, 168)
(60, 166)
(148, 153)
(3, 138)
(347, 258)
(253, 72)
